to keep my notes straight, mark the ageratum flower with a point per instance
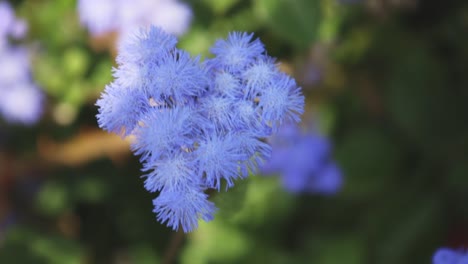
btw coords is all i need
(450, 256)
(303, 162)
(196, 125)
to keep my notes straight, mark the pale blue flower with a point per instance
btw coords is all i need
(120, 108)
(20, 100)
(218, 158)
(194, 124)
(183, 208)
(125, 16)
(281, 101)
(236, 52)
(168, 85)
(163, 130)
(172, 172)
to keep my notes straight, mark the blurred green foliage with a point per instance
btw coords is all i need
(391, 94)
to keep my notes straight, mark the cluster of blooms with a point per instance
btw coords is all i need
(303, 161)
(449, 256)
(124, 16)
(20, 99)
(197, 125)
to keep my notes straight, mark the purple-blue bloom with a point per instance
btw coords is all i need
(183, 207)
(303, 162)
(20, 99)
(281, 101)
(450, 256)
(237, 52)
(196, 125)
(167, 84)
(219, 159)
(124, 16)
(9, 24)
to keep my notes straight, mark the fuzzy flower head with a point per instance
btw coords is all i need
(196, 125)
(236, 52)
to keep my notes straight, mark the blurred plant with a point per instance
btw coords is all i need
(449, 256)
(196, 124)
(20, 99)
(124, 16)
(303, 161)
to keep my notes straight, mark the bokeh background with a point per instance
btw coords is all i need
(386, 81)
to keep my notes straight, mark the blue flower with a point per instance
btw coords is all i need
(124, 16)
(163, 131)
(172, 172)
(303, 161)
(227, 85)
(281, 101)
(247, 115)
(218, 158)
(449, 256)
(146, 47)
(260, 75)
(254, 148)
(195, 124)
(237, 52)
(218, 111)
(183, 208)
(120, 109)
(10, 26)
(21, 101)
(168, 83)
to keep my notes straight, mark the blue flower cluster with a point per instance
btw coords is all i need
(449, 256)
(303, 161)
(20, 99)
(197, 125)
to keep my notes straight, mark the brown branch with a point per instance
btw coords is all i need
(171, 252)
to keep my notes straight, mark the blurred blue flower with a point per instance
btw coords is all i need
(450, 256)
(195, 125)
(20, 100)
(10, 26)
(124, 16)
(237, 52)
(304, 162)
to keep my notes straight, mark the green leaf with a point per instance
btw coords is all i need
(297, 21)
(343, 249)
(42, 246)
(265, 202)
(53, 198)
(369, 159)
(216, 242)
(143, 254)
(91, 189)
(409, 227)
(220, 6)
(75, 61)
